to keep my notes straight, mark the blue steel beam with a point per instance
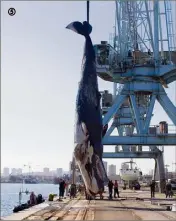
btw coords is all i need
(147, 154)
(164, 139)
(120, 130)
(149, 24)
(112, 110)
(166, 72)
(110, 130)
(141, 85)
(136, 114)
(156, 34)
(123, 121)
(169, 77)
(168, 106)
(149, 114)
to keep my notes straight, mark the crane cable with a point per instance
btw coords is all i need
(88, 11)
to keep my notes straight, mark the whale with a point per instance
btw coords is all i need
(88, 128)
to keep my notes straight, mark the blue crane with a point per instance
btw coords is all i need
(141, 63)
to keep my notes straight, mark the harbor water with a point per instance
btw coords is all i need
(10, 194)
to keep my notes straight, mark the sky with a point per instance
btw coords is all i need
(40, 71)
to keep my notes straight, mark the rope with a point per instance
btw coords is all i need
(88, 11)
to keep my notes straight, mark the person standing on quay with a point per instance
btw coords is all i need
(116, 189)
(110, 187)
(152, 189)
(66, 188)
(61, 188)
(168, 189)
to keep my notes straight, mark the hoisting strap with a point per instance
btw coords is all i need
(88, 11)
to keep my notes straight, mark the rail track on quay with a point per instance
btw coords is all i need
(74, 209)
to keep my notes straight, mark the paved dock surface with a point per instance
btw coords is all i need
(133, 205)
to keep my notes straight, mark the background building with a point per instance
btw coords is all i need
(112, 170)
(59, 172)
(46, 171)
(105, 166)
(14, 171)
(19, 171)
(6, 171)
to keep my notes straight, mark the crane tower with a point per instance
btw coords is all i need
(141, 62)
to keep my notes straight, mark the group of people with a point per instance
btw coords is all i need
(114, 186)
(169, 192)
(168, 189)
(34, 200)
(63, 188)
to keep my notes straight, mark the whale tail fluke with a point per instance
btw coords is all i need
(81, 28)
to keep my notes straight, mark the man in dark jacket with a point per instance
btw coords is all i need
(152, 188)
(110, 187)
(61, 188)
(168, 190)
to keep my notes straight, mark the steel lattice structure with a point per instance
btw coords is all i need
(140, 67)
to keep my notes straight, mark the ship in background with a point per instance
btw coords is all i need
(130, 174)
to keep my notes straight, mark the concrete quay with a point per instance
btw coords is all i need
(132, 205)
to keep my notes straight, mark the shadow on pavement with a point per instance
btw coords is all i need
(137, 208)
(153, 199)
